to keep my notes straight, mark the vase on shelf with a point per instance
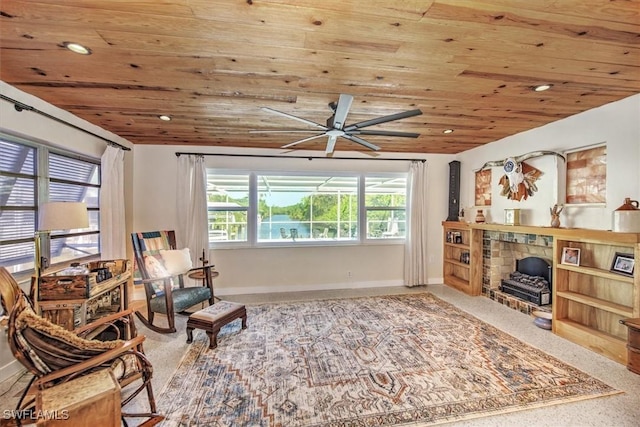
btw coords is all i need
(480, 217)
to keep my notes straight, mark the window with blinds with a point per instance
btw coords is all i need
(31, 174)
(18, 185)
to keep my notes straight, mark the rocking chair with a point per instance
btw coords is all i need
(55, 355)
(162, 270)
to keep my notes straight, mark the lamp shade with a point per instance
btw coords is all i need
(62, 216)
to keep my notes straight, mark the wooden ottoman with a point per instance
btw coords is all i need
(214, 317)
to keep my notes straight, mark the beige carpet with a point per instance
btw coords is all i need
(384, 361)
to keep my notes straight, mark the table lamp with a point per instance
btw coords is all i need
(57, 216)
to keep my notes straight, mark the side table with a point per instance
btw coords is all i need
(88, 401)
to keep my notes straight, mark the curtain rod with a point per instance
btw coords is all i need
(19, 106)
(178, 154)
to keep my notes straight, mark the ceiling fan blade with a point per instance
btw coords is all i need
(361, 141)
(331, 144)
(291, 144)
(283, 131)
(300, 119)
(384, 133)
(383, 119)
(339, 118)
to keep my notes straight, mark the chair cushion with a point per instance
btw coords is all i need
(176, 261)
(156, 270)
(216, 311)
(183, 298)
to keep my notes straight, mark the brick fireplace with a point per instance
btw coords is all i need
(500, 250)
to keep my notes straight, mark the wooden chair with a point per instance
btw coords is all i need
(164, 287)
(55, 355)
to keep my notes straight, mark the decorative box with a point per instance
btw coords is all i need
(80, 281)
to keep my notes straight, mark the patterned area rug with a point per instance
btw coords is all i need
(375, 361)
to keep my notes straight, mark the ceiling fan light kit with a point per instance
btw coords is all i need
(335, 127)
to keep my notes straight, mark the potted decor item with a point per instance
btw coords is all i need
(626, 218)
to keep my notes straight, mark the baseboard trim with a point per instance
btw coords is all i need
(138, 294)
(266, 289)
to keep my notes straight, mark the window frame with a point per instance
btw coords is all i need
(252, 240)
(42, 182)
(396, 208)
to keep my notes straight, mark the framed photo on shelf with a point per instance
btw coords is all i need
(570, 256)
(623, 264)
(512, 216)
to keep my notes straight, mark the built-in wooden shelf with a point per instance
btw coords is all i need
(588, 300)
(599, 303)
(596, 272)
(601, 342)
(456, 273)
(457, 263)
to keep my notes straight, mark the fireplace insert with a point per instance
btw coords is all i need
(531, 281)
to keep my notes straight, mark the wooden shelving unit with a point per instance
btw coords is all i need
(589, 300)
(462, 247)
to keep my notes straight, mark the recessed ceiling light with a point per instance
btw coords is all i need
(541, 88)
(447, 131)
(164, 118)
(77, 48)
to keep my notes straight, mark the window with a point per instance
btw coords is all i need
(72, 179)
(294, 207)
(228, 205)
(30, 174)
(385, 201)
(17, 205)
(262, 208)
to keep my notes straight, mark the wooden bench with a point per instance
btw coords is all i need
(214, 317)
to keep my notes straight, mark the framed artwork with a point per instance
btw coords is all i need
(570, 256)
(591, 162)
(623, 264)
(483, 188)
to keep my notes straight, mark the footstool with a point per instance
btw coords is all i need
(214, 317)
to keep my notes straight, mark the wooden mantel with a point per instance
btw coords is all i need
(577, 234)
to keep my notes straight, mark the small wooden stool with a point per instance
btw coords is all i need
(89, 400)
(214, 317)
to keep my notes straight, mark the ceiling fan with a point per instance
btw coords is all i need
(336, 126)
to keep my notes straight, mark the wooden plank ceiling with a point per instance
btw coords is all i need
(211, 65)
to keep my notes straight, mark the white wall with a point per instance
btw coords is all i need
(616, 124)
(282, 269)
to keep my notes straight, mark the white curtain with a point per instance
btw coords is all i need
(113, 232)
(415, 250)
(192, 230)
